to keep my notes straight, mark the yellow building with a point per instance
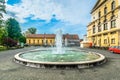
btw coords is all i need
(40, 39)
(104, 28)
(49, 39)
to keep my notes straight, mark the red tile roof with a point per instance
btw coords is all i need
(41, 36)
(71, 36)
(68, 36)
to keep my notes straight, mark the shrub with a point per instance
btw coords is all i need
(22, 39)
(2, 48)
(9, 42)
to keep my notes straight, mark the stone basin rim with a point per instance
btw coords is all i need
(18, 58)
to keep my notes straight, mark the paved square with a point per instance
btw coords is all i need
(9, 70)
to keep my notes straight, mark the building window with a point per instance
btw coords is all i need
(99, 27)
(42, 41)
(113, 5)
(113, 22)
(105, 41)
(113, 41)
(113, 32)
(105, 25)
(99, 42)
(50, 41)
(29, 41)
(33, 41)
(93, 40)
(38, 41)
(99, 14)
(46, 41)
(94, 29)
(105, 10)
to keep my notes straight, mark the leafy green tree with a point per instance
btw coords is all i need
(2, 8)
(32, 30)
(22, 39)
(3, 34)
(13, 29)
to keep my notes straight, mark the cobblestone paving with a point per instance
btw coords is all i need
(9, 70)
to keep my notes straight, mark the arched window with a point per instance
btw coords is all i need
(99, 14)
(38, 41)
(99, 27)
(29, 41)
(42, 42)
(94, 29)
(33, 41)
(50, 41)
(113, 5)
(46, 41)
(113, 22)
(105, 10)
(105, 24)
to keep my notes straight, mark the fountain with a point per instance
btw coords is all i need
(58, 42)
(58, 57)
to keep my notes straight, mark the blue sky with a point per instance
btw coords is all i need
(72, 16)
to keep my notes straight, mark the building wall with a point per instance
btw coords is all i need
(40, 41)
(105, 38)
(119, 2)
(49, 42)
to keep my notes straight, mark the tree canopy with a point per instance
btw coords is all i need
(2, 8)
(22, 39)
(3, 34)
(13, 28)
(32, 30)
(10, 31)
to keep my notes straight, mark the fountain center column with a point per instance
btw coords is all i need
(58, 42)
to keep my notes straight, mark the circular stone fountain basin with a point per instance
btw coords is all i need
(70, 59)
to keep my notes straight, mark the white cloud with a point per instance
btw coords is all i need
(6, 0)
(39, 9)
(73, 14)
(72, 11)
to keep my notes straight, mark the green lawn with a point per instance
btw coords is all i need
(2, 48)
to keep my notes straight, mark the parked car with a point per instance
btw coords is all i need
(115, 49)
(111, 49)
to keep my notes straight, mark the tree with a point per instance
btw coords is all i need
(22, 39)
(9, 42)
(3, 34)
(2, 10)
(13, 29)
(32, 30)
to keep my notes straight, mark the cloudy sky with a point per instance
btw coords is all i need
(72, 16)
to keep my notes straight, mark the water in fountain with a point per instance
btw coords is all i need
(58, 42)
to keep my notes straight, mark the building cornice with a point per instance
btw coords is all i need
(97, 6)
(103, 16)
(104, 32)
